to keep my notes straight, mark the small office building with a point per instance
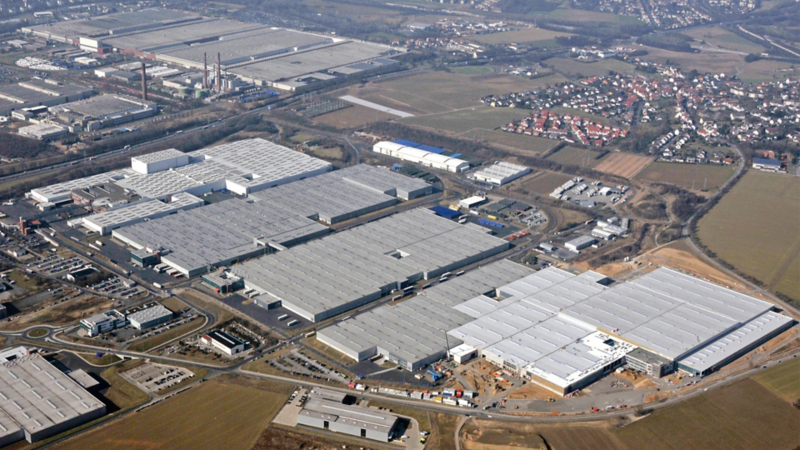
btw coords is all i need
(226, 342)
(223, 282)
(143, 258)
(649, 363)
(103, 322)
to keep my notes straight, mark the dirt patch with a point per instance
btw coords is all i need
(623, 164)
(352, 117)
(530, 390)
(680, 255)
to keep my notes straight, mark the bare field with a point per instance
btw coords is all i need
(575, 156)
(749, 228)
(697, 177)
(229, 414)
(523, 36)
(783, 380)
(544, 183)
(625, 165)
(61, 314)
(680, 255)
(489, 435)
(744, 415)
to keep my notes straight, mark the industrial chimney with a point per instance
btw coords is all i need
(219, 73)
(205, 71)
(144, 83)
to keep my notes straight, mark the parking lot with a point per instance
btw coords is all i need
(298, 363)
(153, 377)
(589, 193)
(115, 286)
(55, 266)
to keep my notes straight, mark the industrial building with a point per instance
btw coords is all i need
(580, 243)
(105, 222)
(500, 173)
(223, 282)
(34, 93)
(227, 343)
(267, 221)
(328, 412)
(43, 131)
(262, 55)
(38, 401)
(564, 331)
(103, 322)
(103, 111)
(150, 317)
(422, 157)
(332, 275)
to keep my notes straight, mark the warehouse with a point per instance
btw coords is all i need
(500, 173)
(332, 275)
(39, 401)
(564, 331)
(32, 93)
(422, 157)
(128, 214)
(353, 420)
(150, 317)
(580, 243)
(269, 220)
(472, 202)
(412, 333)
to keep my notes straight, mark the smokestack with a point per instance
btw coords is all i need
(219, 73)
(205, 71)
(144, 83)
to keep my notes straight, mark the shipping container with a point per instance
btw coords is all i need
(292, 323)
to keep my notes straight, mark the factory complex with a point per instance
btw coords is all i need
(38, 94)
(38, 401)
(283, 198)
(102, 111)
(561, 330)
(262, 55)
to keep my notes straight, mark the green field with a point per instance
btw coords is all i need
(783, 379)
(218, 414)
(719, 37)
(575, 156)
(461, 121)
(687, 176)
(744, 415)
(754, 228)
(523, 36)
(589, 69)
(529, 144)
(472, 70)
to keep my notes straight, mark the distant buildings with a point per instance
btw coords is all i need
(767, 165)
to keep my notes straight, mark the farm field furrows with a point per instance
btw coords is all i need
(624, 165)
(687, 176)
(228, 414)
(754, 229)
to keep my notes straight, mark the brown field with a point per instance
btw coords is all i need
(282, 438)
(353, 117)
(680, 255)
(522, 36)
(749, 228)
(701, 177)
(783, 380)
(545, 182)
(744, 415)
(479, 117)
(575, 156)
(623, 164)
(61, 314)
(225, 413)
(443, 430)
